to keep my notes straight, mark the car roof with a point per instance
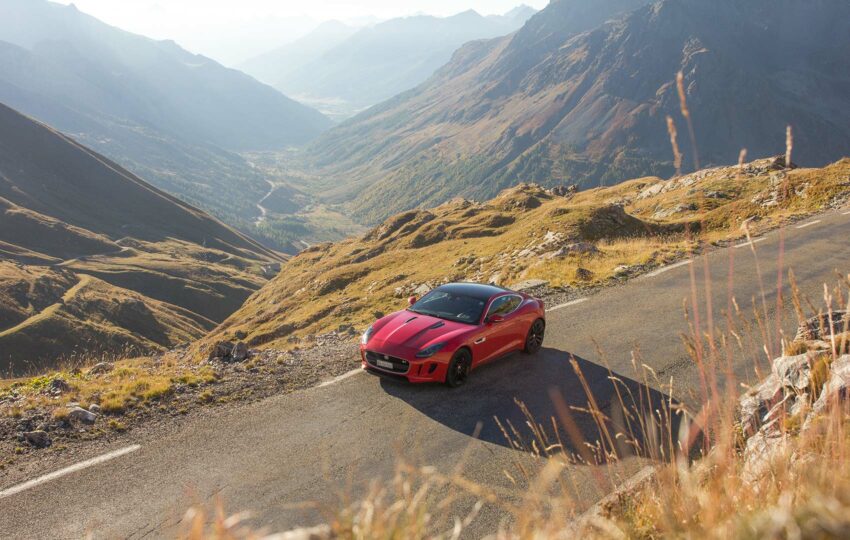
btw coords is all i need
(478, 291)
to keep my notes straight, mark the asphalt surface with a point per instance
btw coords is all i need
(319, 444)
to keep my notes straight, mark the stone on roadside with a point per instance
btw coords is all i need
(38, 439)
(78, 414)
(530, 284)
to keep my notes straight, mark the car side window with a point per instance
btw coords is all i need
(504, 305)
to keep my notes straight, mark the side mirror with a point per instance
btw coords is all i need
(494, 319)
(412, 300)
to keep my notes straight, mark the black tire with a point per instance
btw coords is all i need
(534, 338)
(459, 369)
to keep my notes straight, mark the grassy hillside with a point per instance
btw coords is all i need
(97, 260)
(585, 239)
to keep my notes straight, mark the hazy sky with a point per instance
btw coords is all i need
(232, 30)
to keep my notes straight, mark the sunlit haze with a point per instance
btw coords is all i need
(233, 31)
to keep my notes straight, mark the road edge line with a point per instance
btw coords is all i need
(341, 378)
(809, 224)
(663, 269)
(566, 304)
(747, 244)
(14, 490)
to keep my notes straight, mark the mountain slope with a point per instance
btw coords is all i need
(571, 97)
(275, 66)
(573, 239)
(379, 62)
(96, 259)
(172, 117)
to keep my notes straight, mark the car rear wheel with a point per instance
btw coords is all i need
(534, 339)
(459, 369)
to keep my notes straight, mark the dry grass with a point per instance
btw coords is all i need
(701, 490)
(641, 224)
(133, 383)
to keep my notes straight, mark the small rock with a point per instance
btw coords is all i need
(651, 191)
(101, 368)
(241, 334)
(59, 386)
(239, 352)
(78, 414)
(530, 284)
(583, 274)
(622, 270)
(221, 350)
(564, 191)
(422, 290)
(38, 439)
(95, 408)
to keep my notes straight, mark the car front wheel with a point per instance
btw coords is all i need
(459, 369)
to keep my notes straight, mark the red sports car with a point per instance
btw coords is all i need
(452, 330)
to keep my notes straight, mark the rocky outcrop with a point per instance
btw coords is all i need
(795, 394)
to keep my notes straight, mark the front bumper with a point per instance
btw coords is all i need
(416, 370)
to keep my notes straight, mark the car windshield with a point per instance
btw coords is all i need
(452, 307)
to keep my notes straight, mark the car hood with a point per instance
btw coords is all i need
(412, 331)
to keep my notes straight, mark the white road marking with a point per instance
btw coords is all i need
(570, 303)
(666, 268)
(342, 377)
(67, 470)
(747, 244)
(804, 225)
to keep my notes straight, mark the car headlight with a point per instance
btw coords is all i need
(430, 351)
(364, 339)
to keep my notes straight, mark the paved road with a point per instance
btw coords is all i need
(307, 445)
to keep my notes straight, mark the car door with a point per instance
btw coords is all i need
(496, 338)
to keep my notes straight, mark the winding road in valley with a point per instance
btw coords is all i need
(307, 446)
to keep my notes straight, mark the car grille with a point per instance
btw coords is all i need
(398, 365)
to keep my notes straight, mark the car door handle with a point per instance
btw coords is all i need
(479, 341)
